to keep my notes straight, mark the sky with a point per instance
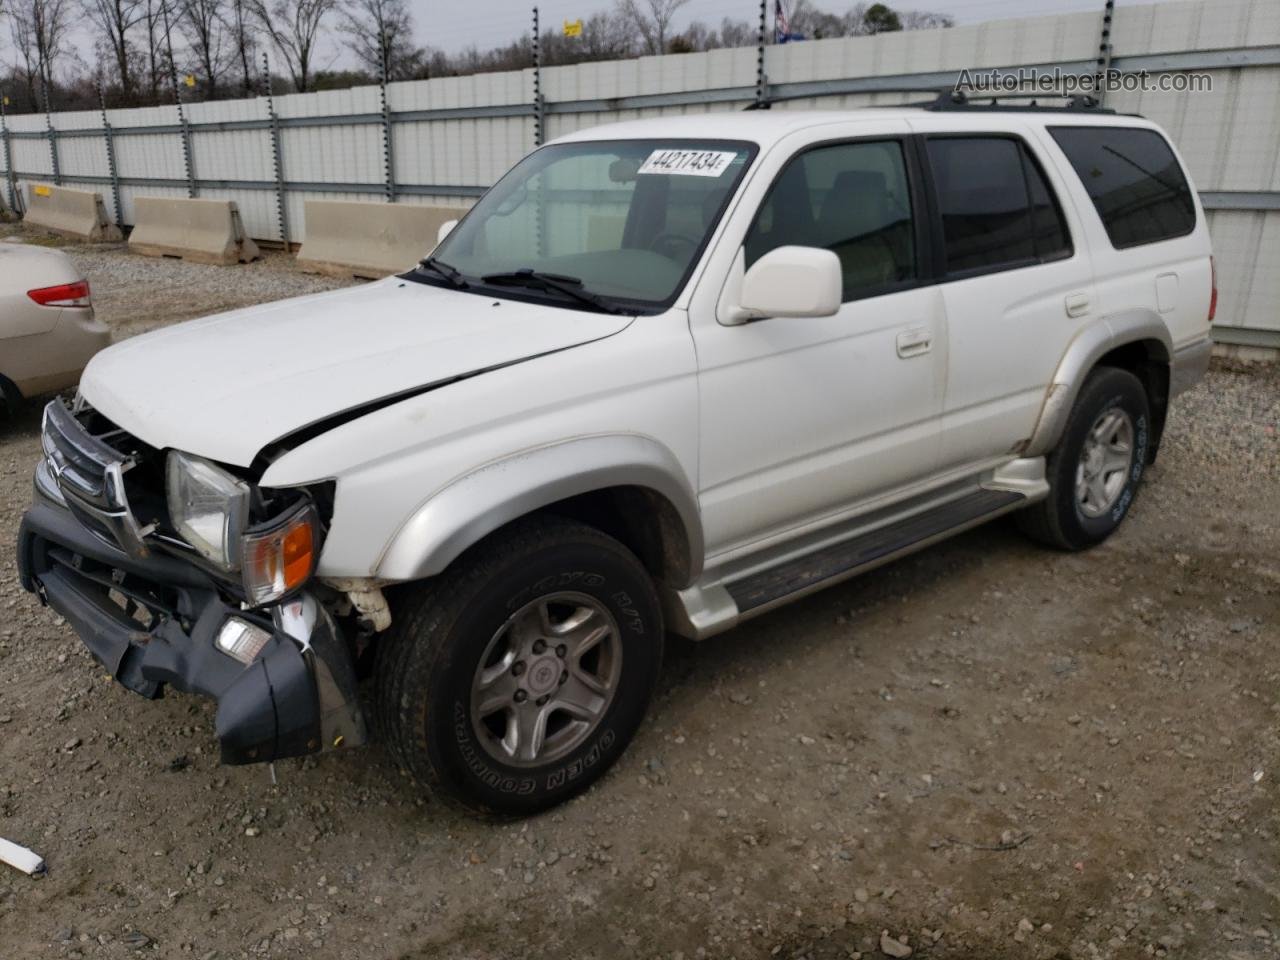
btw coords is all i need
(454, 26)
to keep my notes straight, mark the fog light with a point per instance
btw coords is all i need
(241, 640)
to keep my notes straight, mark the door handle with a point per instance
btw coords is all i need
(913, 343)
(1077, 304)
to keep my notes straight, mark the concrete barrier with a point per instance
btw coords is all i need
(369, 240)
(206, 231)
(72, 213)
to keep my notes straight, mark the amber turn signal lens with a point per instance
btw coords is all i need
(281, 558)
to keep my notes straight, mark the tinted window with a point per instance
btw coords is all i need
(1048, 231)
(852, 199)
(1134, 181)
(997, 211)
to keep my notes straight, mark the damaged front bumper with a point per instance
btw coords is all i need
(152, 620)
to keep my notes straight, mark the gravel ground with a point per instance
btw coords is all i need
(983, 751)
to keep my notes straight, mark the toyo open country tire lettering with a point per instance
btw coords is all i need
(1095, 470)
(512, 681)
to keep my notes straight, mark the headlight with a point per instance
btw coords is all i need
(208, 507)
(281, 556)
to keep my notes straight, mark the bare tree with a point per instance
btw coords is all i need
(652, 20)
(814, 24)
(39, 32)
(156, 54)
(202, 25)
(924, 20)
(294, 28)
(116, 19)
(381, 32)
(737, 33)
(244, 44)
(24, 43)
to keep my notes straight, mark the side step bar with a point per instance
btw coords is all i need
(841, 560)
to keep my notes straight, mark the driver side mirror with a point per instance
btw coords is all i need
(444, 230)
(792, 282)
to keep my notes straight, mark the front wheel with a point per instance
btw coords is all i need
(515, 679)
(1094, 471)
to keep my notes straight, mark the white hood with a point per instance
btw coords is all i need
(225, 386)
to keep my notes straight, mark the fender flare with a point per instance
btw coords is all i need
(477, 503)
(1083, 353)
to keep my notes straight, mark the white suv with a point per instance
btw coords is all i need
(665, 375)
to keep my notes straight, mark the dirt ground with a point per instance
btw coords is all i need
(989, 750)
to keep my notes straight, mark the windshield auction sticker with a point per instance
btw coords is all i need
(688, 163)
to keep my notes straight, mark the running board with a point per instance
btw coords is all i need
(841, 560)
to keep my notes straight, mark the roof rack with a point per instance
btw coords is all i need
(770, 99)
(950, 99)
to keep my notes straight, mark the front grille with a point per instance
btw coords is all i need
(89, 473)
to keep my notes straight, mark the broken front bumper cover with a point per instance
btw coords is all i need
(297, 697)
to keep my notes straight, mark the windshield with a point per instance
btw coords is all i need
(621, 221)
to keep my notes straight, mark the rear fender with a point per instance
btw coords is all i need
(1082, 355)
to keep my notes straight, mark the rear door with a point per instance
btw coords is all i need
(1016, 283)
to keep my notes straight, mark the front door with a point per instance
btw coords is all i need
(803, 418)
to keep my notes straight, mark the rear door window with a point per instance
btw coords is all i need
(1134, 181)
(997, 210)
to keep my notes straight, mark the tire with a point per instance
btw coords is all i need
(1066, 519)
(469, 662)
(10, 399)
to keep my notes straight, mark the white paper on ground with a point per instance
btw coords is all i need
(21, 857)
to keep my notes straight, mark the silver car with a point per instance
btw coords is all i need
(47, 328)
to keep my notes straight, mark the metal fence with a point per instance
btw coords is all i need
(444, 141)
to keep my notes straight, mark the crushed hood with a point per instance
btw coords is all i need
(226, 386)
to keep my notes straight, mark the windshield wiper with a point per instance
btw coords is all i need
(537, 280)
(452, 274)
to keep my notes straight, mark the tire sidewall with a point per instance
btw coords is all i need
(611, 577)
(1109, 389)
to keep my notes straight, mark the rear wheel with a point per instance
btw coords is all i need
(512, 681)
(1094, 472)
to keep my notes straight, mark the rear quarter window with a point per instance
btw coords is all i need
(1134, 181)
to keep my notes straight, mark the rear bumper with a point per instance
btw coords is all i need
(54, 360)
(298, 697)
(1190, 364)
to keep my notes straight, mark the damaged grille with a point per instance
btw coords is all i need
(87, 469)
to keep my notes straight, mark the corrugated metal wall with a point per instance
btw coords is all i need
(454, 136)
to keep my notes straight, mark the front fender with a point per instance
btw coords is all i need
(477, 503)
(1090, 345)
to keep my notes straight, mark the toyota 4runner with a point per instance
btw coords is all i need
(664, 376)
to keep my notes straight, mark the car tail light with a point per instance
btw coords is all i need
(63, 295)
(1213, 297)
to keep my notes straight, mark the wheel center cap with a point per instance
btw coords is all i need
(543, 676)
